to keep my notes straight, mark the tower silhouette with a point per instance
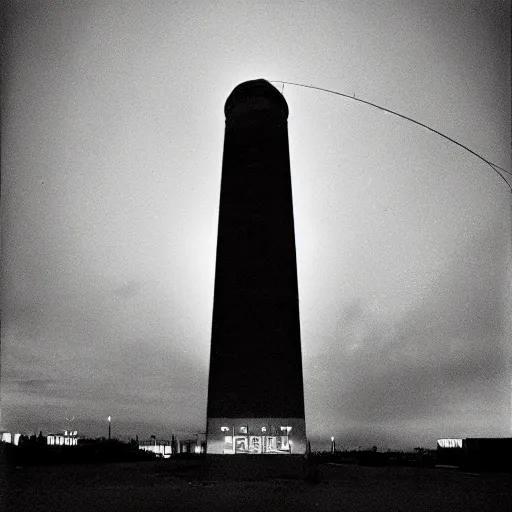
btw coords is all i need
(255, 389)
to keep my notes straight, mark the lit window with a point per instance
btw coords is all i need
(449, 443)
(224, 429)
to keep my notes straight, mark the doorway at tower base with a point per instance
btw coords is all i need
(256, 436)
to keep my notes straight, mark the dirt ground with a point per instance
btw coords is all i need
(178, 486)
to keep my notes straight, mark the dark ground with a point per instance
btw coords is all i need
(178, 486)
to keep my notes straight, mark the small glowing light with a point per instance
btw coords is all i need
(65, 432)
(109, 418)
(75, 432)
(263, 429)
(224, 429)
(332, 438)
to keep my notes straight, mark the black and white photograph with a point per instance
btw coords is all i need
(256, 255)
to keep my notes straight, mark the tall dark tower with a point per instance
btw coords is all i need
(255, 392)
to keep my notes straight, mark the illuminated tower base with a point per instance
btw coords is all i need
(255, 390)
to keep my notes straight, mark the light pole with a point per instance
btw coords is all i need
(109, 427)
(333, 446)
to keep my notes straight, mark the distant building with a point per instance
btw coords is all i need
(166, 449)
(8, 437)
(191, 446)
(159, 447)
(488, 453)
(449, 443)
(69, 438)
(476, 453)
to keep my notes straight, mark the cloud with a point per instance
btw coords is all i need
(442, 362)
(144, 381)
(30, 386)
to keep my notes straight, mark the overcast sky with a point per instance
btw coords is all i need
(112, 137)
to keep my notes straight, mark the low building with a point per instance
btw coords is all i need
(166, 449)
(159, 447)
(477, 454)
(488, 454)
(68, 438)
(191, 446)
(8, 437)
(449, 452)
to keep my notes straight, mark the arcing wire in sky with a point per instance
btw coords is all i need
(494, 167)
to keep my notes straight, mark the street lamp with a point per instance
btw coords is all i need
(109, 426)
(333, 445)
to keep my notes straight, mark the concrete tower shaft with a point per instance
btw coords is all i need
(255, 366)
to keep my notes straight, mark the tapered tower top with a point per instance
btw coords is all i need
(255, 95)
